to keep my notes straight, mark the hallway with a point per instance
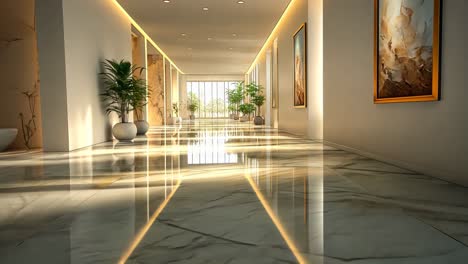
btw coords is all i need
(219, 191)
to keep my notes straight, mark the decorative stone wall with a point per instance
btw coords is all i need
(19, 73)
(156, 87)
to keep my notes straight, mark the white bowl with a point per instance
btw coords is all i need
(7, 136)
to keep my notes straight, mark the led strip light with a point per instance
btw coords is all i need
(148, 38)
(269, 39)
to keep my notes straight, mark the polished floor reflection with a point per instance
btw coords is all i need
(224, 192)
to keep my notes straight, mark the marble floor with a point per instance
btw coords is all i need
(224, 192)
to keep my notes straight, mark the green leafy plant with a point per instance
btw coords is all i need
(236, 96)
(123, 91)
(258, 100)
(141, 97)
(255, 93)
(253, 89)
(232, 108)
(193, 103)
(175, 109)
(247, 108)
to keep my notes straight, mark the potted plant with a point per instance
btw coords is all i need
(232, 111)
(256, 97)
(258, 100)
(140, 100)
(246, 109)
(235, 97)
(122, 89)
(192, 105)
(175, 109)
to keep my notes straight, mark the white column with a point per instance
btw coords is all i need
(72, 47)
(51, 46)
(315, 69)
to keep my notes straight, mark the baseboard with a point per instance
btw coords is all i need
(440, 175)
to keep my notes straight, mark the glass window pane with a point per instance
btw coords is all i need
(212, 97)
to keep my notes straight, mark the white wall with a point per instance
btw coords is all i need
(428, 137)
(91, 31)
(52, 73)
(315, 69)
(290, 118)
(94, 31)
(183, 98)
(309, 121)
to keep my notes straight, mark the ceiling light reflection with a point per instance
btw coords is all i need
(141, 234)
(276, 220)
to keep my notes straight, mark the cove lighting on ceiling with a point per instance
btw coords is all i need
(270, 38)
(148, 38)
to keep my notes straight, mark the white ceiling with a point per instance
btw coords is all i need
(165, 23)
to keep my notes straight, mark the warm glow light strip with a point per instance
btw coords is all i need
(148, 38)
(270, 38)
(141, 234)
(276, 221)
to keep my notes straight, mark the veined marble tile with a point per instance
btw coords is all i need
(220, 191)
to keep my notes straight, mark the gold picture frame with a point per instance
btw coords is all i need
(300, 67)
(412, 73)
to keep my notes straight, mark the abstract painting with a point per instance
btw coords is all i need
(406, 50)
(300, 67)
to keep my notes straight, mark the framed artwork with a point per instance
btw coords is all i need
(300, 67)
(406, 50)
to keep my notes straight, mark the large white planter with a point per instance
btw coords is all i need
(124, 131)
(142, 127)
(7, 136)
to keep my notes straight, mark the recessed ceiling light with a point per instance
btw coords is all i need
(166, 1)
(183, 34)
(231, 48)
(234, 35)
(210, 38)
(205, 9)
(241, 2)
